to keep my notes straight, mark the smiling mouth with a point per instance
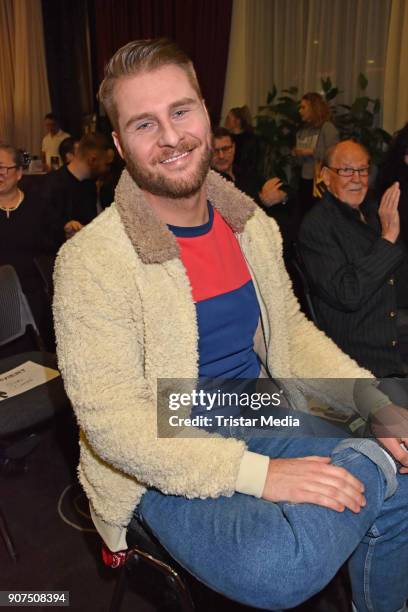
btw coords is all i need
(175, 158)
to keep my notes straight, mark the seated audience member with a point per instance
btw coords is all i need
(224, 161)
(52, 139)
(172, 283)
(357, 265)
(314, 138)
(70, 192)
(67, 150)
(24, 235)
(395, 168)
(247, 147)
(268, 194)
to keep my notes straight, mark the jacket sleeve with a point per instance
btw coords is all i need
(343, 284)
(99, 329)
(328, 137)
(325, 371)
(315, 363)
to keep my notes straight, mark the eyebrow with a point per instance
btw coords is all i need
(150, 115)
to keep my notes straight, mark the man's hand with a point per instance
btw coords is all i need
(313, 480)
(272, 193)
(390, 427)
(71, 228)
(388, 213)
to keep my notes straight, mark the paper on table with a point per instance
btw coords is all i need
(23, 378)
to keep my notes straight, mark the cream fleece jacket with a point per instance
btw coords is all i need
(124, 317)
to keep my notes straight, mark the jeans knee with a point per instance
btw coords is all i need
(373, 451)
(287, 585)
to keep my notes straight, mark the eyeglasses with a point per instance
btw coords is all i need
(348, 172)
(225, 149)
(4, 169)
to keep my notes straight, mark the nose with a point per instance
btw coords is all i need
(169, 135)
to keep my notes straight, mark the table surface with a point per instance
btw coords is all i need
(36, 405)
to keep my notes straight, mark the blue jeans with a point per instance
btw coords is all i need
(276, 555)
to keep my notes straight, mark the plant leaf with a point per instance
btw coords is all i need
(362, 81)
(332, 93)
(359, 105)
(271, 95)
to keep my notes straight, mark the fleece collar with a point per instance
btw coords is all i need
(151, 238)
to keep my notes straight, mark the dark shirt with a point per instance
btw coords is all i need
(247, 151)
(24, 235)
(69, 199)
(247, 182)
(354, 273)
(251, 183)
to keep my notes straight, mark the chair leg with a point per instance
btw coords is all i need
(183, 593)
(172, 577)
(7, 538)
(119, 590)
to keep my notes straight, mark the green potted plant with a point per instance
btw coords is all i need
(279, 120)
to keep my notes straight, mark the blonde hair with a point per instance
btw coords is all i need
(142, 56)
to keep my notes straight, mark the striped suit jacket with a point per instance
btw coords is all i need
(354, 274)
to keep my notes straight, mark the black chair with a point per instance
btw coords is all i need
(22, 415)
(299, 267)
(22, 420)
(146, 550)
(45, 266)
(16, 318)
(189, 595)
(5, 534)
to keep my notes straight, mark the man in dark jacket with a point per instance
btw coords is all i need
(268, 194)
(70, 192)
(356, 264)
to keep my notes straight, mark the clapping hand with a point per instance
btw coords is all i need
(388, 213)
(272, 193)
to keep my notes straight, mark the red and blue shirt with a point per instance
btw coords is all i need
(224, 295)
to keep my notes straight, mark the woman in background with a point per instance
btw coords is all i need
(312, 141)
(25, 233)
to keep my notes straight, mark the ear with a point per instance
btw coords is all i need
(325, 174)
(206, 111)
(116, 140)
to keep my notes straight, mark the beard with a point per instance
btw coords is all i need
(170, 187)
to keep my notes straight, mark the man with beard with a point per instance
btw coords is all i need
(171, 282)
